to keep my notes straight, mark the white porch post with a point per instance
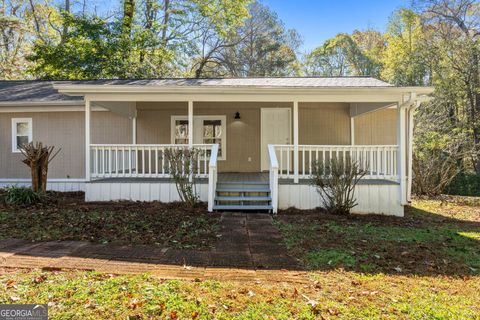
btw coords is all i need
(87, 139)
(411, 112)
(295, 142)
(401, 155)
(352, 131)
(190, 134)
(190, 124)
(134, 130)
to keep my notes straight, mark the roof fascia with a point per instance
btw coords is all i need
(80, 90)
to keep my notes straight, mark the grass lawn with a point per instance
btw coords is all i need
(328, 295)
(66, 216)
(433, 238)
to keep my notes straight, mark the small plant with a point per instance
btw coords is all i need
(22, 196)
(336, 181)
(181, 165)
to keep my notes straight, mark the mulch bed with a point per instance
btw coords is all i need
(66, 216)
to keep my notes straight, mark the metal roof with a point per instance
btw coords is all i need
(43, 91)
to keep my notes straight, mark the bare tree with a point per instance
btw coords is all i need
(181, 165)
(38, 157)
(336, 181)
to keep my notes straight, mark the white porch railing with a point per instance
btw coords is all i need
(141, 161)
(273, 177)
(212, 177)
(380, 161)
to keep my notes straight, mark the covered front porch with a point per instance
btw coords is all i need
(272, 139)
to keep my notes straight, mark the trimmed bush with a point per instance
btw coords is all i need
(22, 196)
(465, 184)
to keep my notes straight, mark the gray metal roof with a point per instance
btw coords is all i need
(43, 91)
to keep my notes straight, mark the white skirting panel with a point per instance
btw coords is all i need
(371, 198)
(62, 185)
(138, 191)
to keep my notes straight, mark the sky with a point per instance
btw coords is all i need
(318, 20)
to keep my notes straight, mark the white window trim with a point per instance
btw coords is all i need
(196, 137)
(15, 121)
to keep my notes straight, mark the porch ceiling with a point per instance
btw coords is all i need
(124, 108)
(357, 109)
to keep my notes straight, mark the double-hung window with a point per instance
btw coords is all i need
(207, 130)
(21, 132)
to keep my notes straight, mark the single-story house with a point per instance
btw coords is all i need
(259, 136)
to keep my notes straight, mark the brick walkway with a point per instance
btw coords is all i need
(250, 248)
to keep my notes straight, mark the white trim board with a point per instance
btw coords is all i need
(49, 180)
(21, 109)
(61, 185)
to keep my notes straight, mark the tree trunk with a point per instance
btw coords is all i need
(43, 168)
(65, 23)
(476, 104)
(128, 13)
(166, 18)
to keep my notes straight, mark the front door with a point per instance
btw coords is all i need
(275, 129)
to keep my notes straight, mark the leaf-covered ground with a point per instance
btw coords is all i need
(65, 216)
(327, 295)
(423, 266)
(434, 238)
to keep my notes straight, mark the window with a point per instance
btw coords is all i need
(207, 130)
(212, 133)
(181, 132)
(21, 132)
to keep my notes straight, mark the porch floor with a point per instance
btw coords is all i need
(237, 177)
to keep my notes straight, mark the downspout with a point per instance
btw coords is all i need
(402, 144)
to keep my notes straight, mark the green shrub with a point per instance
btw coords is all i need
(22, 195)
(465, 184)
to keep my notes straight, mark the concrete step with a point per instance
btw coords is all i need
(246, 198)
(242, 207)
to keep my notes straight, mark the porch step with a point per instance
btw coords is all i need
(259, 188)
(246, 198)
(242, 194)
(242, 207)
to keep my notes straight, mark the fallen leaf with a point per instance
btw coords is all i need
(295, 293)
(90, 304)
(334, 312)
(40, 279)
(11, 284)
(134, 304)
